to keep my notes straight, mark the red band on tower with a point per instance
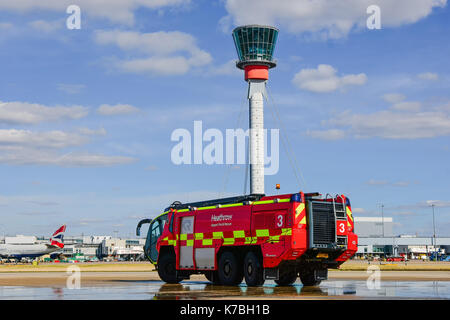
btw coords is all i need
(259, 72)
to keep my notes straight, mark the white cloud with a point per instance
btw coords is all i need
(438, 203)
(31, 113)
(6, 26)
(413, 106)
(428, 76)
(71, 88)
(118, 109)
(325, 79)
(120, 11)
(38, 213)
(25, 147)
(226, 69)
(395, 125)
(50, 139)
(155, 65)
(30, 156)
(394, 97)
(373, 182)
(46, 26)
(328, 19)
(424, 204)
(36, 28)
(332, 134)
(44, 203)
(403, 213)
(156, 43)
(403, 120)
(162, 53)
(401, 183)
(92, 132)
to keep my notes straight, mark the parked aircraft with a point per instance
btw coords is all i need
(33, 250)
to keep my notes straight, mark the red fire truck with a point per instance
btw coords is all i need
(253, 237)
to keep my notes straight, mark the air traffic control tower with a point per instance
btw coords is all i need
(255, 45)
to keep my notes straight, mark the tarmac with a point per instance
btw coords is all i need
(417, 280)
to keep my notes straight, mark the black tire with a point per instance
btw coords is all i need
(308, 278)
(167, 269)
(230, 270)
(253, 270)
(212, 276)
(287, 277)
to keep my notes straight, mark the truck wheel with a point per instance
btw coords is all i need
(287, 277)
(230, 272)
(167, 269)
(308, 278)
(253, 270)
(212, 276)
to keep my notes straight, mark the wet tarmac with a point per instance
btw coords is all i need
(202, 290)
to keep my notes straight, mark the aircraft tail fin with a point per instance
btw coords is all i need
(57, 238)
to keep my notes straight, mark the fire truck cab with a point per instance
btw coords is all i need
(252, 237)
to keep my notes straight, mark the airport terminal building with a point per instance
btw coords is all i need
(376, 238)
(87, 248)
(104, 247)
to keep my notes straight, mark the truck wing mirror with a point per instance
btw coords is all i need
(138, 228)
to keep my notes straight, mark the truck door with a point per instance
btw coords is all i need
(186, 241)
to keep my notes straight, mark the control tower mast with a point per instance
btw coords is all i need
(255, 45)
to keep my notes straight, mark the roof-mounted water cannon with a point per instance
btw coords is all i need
(255, 45)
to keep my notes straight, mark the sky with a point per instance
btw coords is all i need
(87, 115)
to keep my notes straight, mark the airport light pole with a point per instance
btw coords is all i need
(434, 231)
(382, 229)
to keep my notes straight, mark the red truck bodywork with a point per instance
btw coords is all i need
(278, 229)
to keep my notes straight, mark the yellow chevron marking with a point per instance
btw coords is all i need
(349, 213)
(299, 209)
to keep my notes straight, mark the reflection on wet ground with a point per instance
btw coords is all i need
(201, 290)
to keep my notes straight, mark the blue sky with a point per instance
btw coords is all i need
(86, 115)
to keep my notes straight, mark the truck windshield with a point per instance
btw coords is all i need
(154, 232)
